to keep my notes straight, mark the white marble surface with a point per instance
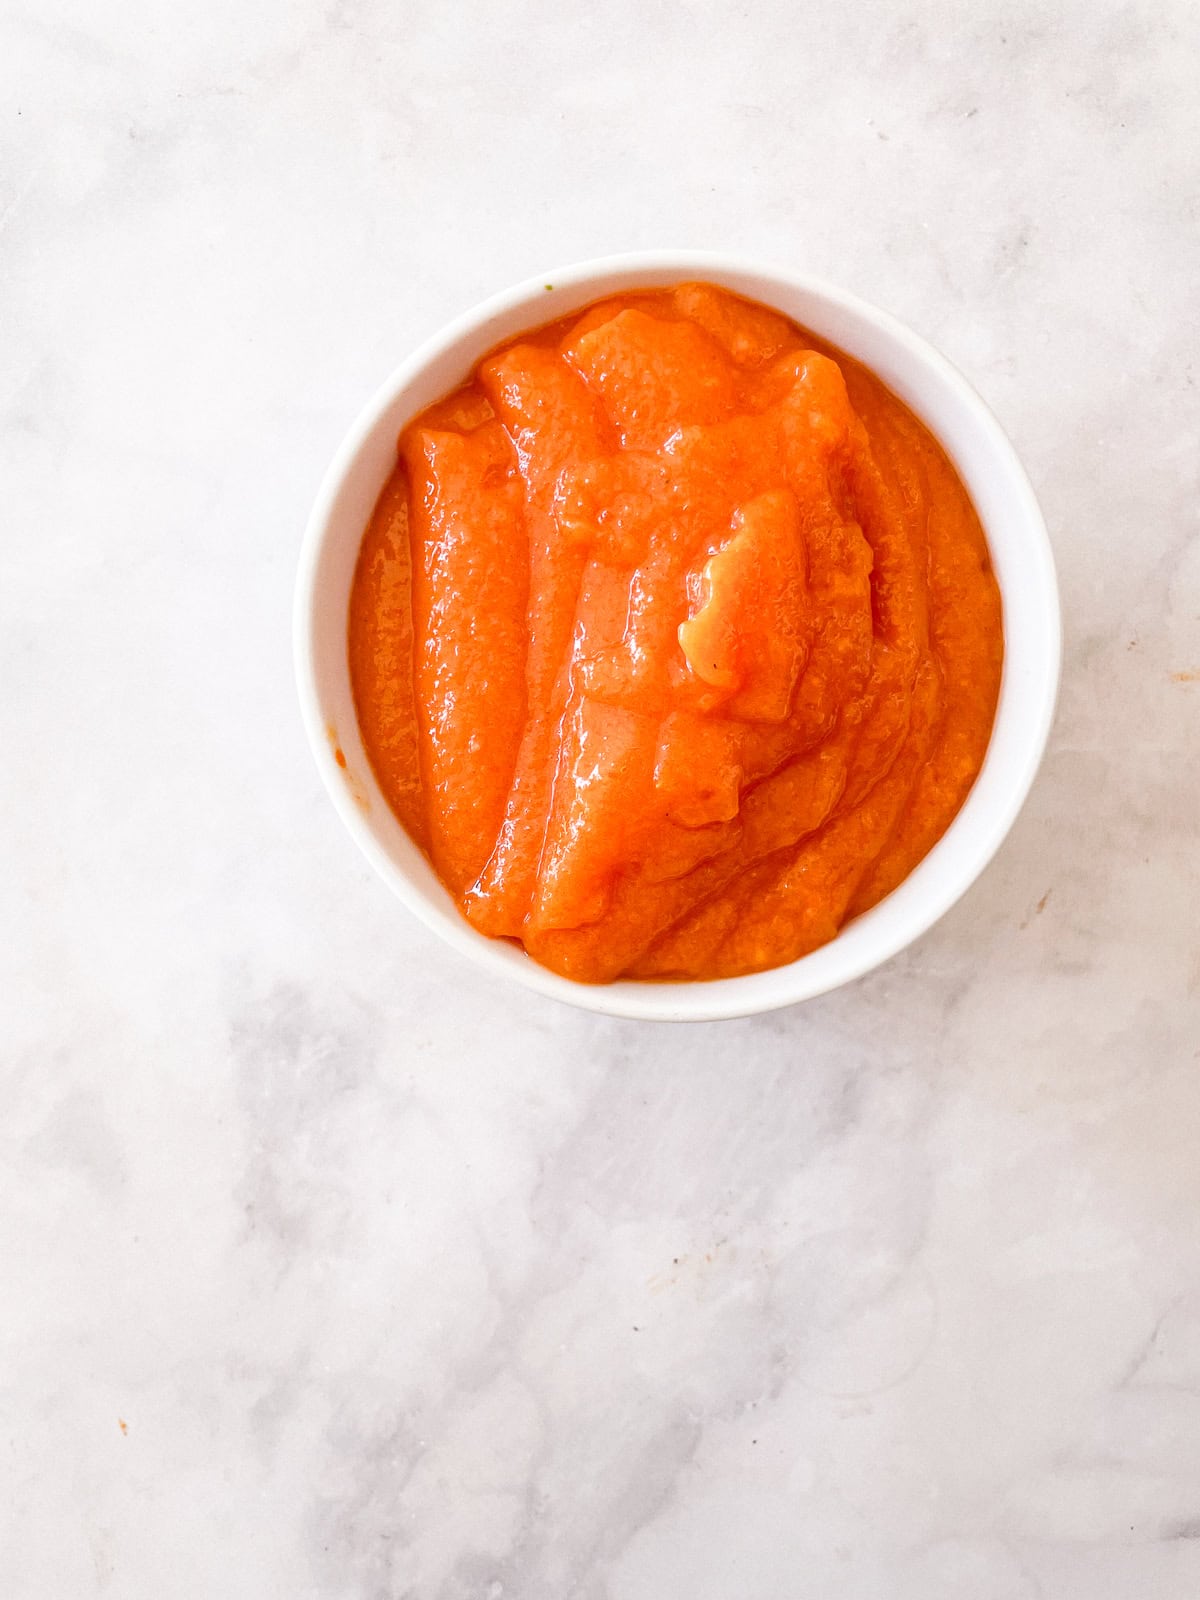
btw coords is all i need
(330, 1269)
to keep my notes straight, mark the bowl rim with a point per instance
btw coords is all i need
(827, 968)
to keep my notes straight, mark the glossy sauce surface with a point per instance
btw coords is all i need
(674, 639)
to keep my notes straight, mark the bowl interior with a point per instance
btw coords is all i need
(1007, 508)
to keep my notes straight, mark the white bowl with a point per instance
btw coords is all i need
(1016, 535)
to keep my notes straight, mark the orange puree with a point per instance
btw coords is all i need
(674, 639)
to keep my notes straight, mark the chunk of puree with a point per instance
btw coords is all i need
(674, 639)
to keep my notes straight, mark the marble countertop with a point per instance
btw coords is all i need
(331, 1268)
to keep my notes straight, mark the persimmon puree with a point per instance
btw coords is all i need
(674, 639)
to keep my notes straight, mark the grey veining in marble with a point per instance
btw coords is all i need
(332, 1269)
